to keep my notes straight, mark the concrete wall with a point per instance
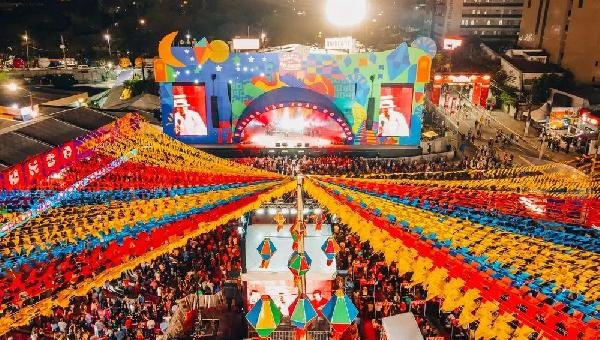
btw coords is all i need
(555, 29)
(582, 51)
(528, 38)
(513, 72)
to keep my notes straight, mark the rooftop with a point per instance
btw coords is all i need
(527, 66)
(536, 53)
(592, 94)
(21, 140)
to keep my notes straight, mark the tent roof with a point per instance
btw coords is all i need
(401, 327)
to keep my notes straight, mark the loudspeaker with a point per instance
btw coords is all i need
(298, 145)
(306, 145)
(277, 145)
(229, 97)
(370, 113)
(214, 108)
(284, 145)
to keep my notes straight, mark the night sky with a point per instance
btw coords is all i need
(136, 26)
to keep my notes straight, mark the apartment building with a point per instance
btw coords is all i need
(490, 20)
(568, 31)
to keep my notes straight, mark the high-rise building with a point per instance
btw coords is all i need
(490, 20)
(568, 31)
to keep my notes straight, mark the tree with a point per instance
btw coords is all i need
(540, 89)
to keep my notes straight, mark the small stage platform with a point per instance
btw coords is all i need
(368, 151)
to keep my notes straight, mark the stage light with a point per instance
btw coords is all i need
(260, 211)
(346, 12)
(240, 230)
(318, 210)
(272, 211)
(285, 211)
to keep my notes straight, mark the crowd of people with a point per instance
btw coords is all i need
(378, 290)
(483, 158)
(142, 302)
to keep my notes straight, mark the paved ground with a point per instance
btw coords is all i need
(527, 148)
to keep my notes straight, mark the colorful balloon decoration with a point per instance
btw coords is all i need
(264, 316)
(330, 247)
(279, 220)
(299, 263)
(266, 249)
(302, 312)
(340, 312)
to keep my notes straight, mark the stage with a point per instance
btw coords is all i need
(367, 151)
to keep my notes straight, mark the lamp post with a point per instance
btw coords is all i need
(26, 37)
(12, 87)
(107, 37)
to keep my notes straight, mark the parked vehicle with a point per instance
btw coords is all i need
(43, 62)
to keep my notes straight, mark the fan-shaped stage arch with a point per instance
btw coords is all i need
(309, 109)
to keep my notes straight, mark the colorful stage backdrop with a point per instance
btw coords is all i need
(210, 96)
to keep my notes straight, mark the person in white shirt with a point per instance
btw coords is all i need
(187, 122)
(391, 122)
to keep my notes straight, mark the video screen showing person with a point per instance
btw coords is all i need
(189, 110)
(395, 110)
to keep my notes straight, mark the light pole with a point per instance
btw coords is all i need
(26, 37)
(13, 87)
(107, 37)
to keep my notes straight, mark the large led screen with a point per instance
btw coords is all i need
(189, 110)
(395, 110)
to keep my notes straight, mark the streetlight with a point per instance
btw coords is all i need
(142, 21)
(13, 87)
(26, 37)
(107, 38)
(346, 12)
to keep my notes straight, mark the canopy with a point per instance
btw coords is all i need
(401, 327)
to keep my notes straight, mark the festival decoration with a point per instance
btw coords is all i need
(264, 316)
(330, 248)
(340, 312)
(266, 249)
(117, 197)
(319, 219)
(302, 312)
(279, 220)
(472, 256)
(299, 263)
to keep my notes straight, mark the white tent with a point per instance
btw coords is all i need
(401, 327)
(541, 114)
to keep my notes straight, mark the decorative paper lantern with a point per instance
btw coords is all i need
(297, 233)
(319, 219)
(330, 248)
(302, 312)
(264, 316)
(340, 312)
(299, 263)
(266, 249)
(280, 220)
